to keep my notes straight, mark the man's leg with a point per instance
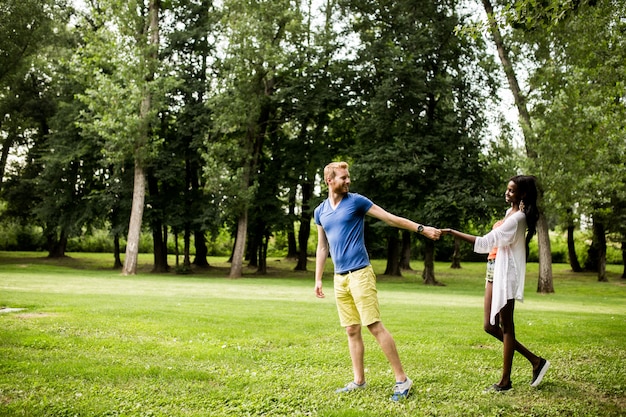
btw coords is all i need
(357, 349)
(388, 346)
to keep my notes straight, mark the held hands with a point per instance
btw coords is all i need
(431, 232)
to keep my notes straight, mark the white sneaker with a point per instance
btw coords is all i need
(352, 386)
(401, 390)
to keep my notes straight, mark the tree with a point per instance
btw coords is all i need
(189, 51)
(578, 108)
(260, 35)
(26, 28)
(418, 118)
(126, 95)
(49, 185)
(544, 284)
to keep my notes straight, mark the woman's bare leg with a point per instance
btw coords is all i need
(496, 331)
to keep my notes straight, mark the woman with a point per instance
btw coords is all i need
(507, 246)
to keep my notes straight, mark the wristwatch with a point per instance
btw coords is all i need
(420, 228)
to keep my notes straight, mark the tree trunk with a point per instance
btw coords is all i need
(236, 266)
(159, 241)
(253, 243)
(600, 239)
(4, 156)
(117, 264)
(262, 269)
(139, 183)
(428, 275)
(57, 247)
(544, 284)
(456, 255)
(305, 227)
(571, 250)
(186, 249)
(393, 255)
(176, 251)
(292, 249)
(624, 259)
(202, 251)
(405, 251)
(134, 226)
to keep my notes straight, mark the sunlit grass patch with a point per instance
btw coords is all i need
(91, 342)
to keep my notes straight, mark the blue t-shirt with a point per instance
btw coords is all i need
(344, 229)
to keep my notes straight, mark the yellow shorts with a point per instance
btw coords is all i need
(357, 297)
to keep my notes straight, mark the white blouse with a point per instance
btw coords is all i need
(510, 268)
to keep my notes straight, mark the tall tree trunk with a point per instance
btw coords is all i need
(159, 240)
(456, 255)
(139, 183)
(393, 255)
(544, 284)
(624, 259)
(116, 252)
(428, 275)
(254, 240)
(202, 251)
(405, 251)
(134, 226)
(159, 244)
(305, 227)
(236, 266)
(600, 239)
(4, 156)
(262, 268)
(571, 249)
(57, 247)
(186, 249)
(292, 247)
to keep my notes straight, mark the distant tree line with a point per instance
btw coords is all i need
(185, 118)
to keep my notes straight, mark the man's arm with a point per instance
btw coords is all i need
(321, 253)
(402, 223)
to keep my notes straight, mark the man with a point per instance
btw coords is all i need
(340, 225)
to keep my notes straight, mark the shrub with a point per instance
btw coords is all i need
(17, 237)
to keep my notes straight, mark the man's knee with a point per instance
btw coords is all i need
(376, 328)
(352, 330)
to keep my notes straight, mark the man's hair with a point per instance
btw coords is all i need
(329, 170)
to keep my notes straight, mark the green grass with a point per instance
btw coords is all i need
(91, 342)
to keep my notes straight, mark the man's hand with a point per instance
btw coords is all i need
(318, 290)
(431, 232)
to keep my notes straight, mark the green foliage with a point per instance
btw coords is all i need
(418, 118)
(577, 107)
(92, 342)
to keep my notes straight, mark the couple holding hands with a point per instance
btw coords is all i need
(340, 227)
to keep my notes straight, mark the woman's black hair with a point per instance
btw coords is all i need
(527, 188)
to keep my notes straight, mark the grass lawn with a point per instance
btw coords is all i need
(90, 342)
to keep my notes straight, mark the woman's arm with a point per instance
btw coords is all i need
(460, 235)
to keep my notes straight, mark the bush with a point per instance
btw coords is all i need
(16, 237)
(100, 241)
